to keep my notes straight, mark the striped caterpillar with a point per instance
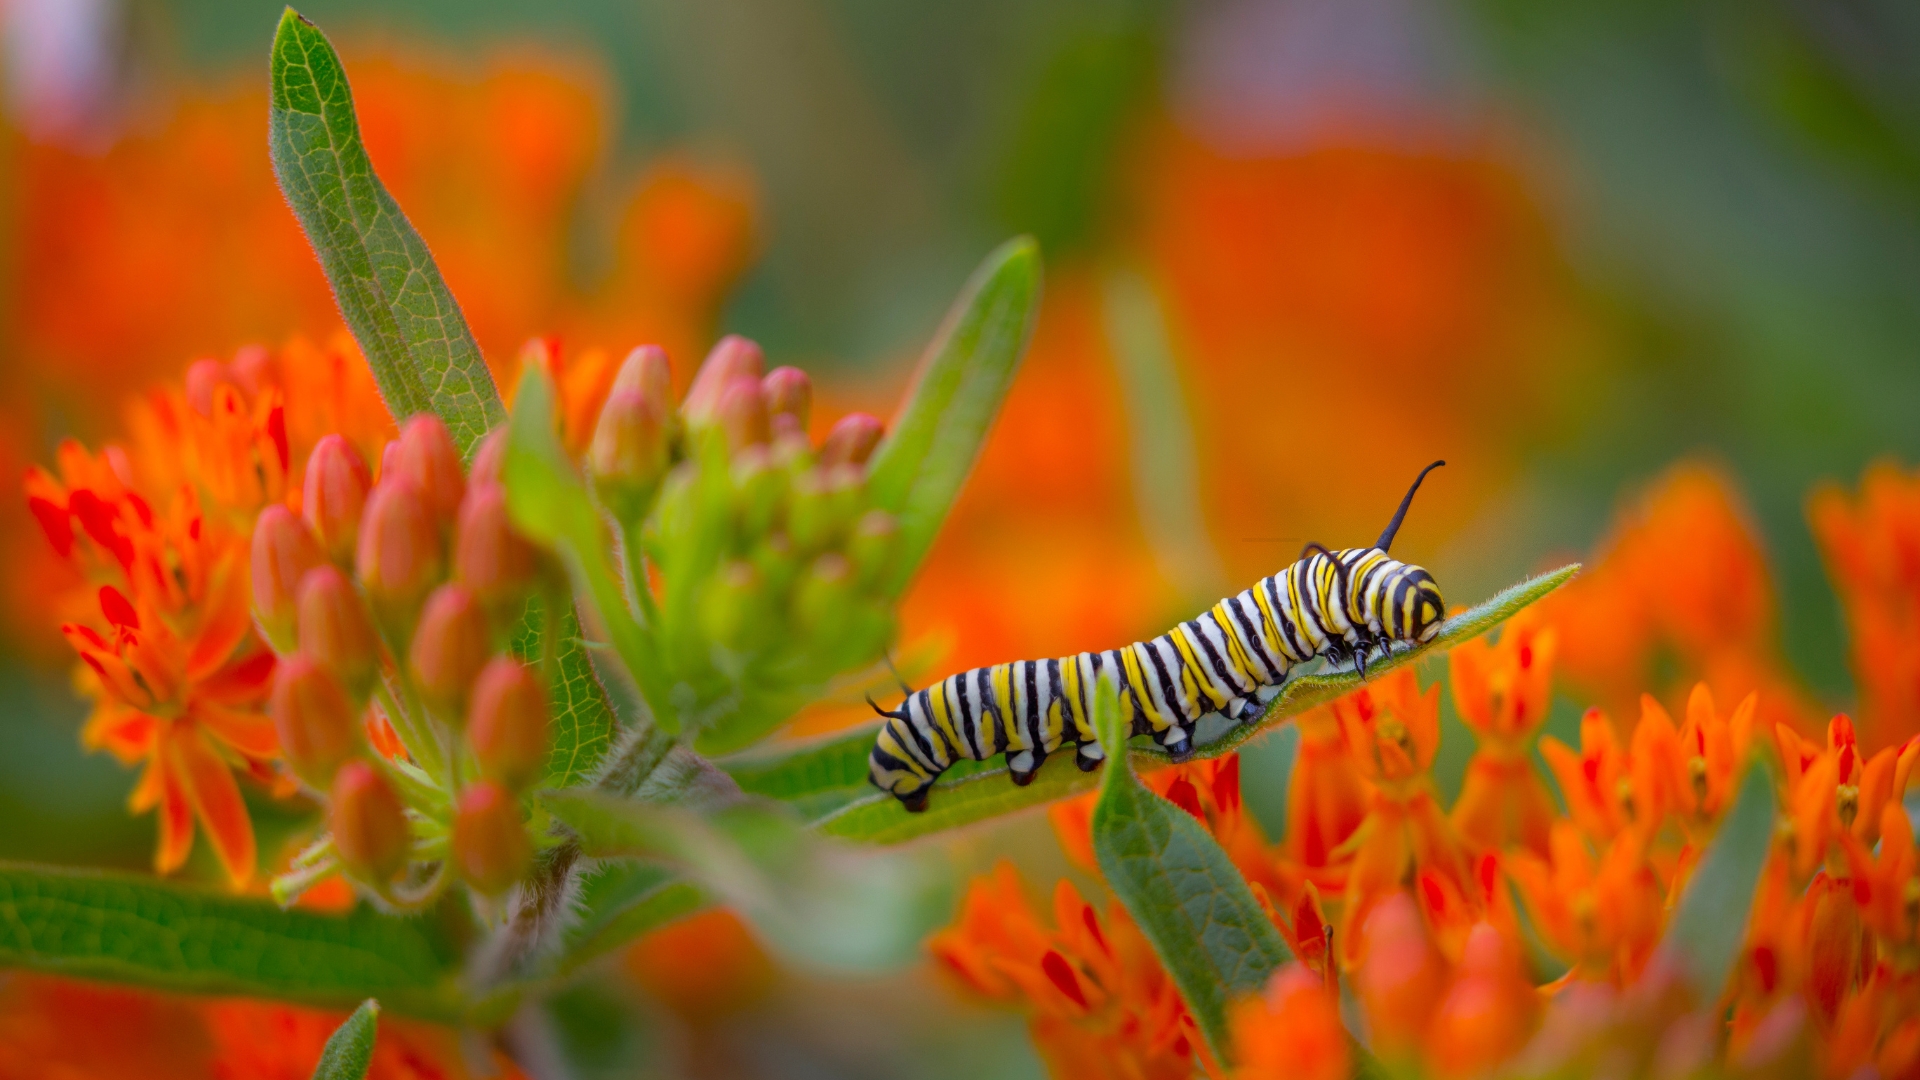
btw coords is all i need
(1341, 605)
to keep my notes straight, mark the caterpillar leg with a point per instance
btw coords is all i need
(1244, 710)
(915, 803)
(1178, 744)
(1023, 765)
(1089, 755)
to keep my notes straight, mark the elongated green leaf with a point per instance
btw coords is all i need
(919, 468)
(139, 930)
(383, 277)
(583, 722)
(817, 902)
(1187, 897)
(1706, 931)
(349, 1049)
(826, 780)
(548, 501)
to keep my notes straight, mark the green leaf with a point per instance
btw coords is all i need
(549, 502)
(1704, 937)
(825, 781)
(349, 1049)
(141, 930)
(620, 901)
(919, 468)
(817, 902)
(583, 722)
(1182, 890)
(383, 277)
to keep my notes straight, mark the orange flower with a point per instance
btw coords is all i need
(1871, 543)
(1682, 575)
(1392, 731)
(1502, 692)
(1595, 780)
(1326, 799)
(1488, 1011)
(1601, 912)
(703, 966)
(1831, 792)
(1099, 1005)
(51, 1027)
(1292, 1031)
(156, 533)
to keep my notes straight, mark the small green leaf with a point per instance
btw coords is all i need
(817, 902)
(391, 294)
(124, 928)
(1707, 928)
(349, 1049)
(548, 501)
(620, 901)
(583, 722)
(1182, 890)
(826, 780)
(918, 470)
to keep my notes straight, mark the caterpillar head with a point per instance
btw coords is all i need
(1416, 610)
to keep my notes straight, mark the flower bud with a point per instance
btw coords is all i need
(731, 605)
(489, 557)
(399, 556)
(369, 824)
(283, 551)
(335, 495)
(743, 414)
(759, 487)
(824, 598)
(851, 441)
(450, 645)
(507, 725)
(491, 848)
(732, 357)
(335, 630)
(646, 369)
(789, 396)
(630, 452)
(313, 717)
(489, 459)
(875, 539)
(203, 377)
(426, 456)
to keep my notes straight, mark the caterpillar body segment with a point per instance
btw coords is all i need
(1342, 605)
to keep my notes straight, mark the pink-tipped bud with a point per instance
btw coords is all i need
(203, 378)
(789, 398)
(733, 357)
(398, 556)
(489, 557)
(491, 848)
(283, 551)
(489, 460)
(335, 496)
(743, 414)
(427, 457)
(336, 631)
(369, 824)
(450, 646)
(507, 723)
(647, 370)
(313, 717)
(631, 451)
(252, 369)
(851, 441)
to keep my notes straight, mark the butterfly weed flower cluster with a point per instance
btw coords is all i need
(755, 560)
(1532, 927)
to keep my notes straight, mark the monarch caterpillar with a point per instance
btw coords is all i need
(1341, 605)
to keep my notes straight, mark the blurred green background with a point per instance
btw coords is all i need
(1729, 194)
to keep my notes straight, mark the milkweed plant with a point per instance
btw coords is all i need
(527, 660)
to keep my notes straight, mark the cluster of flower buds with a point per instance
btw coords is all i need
(763, 559)
(391, 603)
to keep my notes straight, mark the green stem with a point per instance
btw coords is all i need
(412, 726)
